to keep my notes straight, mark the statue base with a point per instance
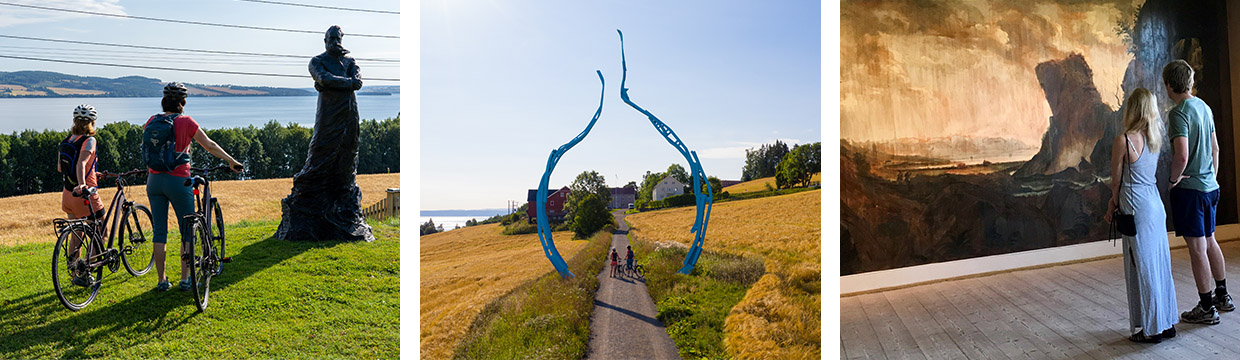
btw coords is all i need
(324, 216)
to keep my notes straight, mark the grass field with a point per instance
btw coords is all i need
(779, 315)
(547, 318)
(463, 270)
(694, 306)
(761, 184)
(28, 219)
(276, 299)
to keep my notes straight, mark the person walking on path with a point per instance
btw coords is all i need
(1134, 190)
(1195, 191)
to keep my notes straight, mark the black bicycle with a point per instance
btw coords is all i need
(210, 261)
(81, 255)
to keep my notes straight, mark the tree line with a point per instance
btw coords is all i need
(28, 158)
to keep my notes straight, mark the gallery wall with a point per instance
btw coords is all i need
(972, 129)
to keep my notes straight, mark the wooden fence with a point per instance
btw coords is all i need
(389, 206)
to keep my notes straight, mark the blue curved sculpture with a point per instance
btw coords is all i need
(704, 201)
(544, 228)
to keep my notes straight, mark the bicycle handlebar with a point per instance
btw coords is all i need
(214, 169)
(106, 174)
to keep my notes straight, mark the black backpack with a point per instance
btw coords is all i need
(68, 159)
(159, 144)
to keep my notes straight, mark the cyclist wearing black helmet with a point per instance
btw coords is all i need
(166, 140)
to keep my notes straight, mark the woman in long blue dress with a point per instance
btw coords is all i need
(1147, 258)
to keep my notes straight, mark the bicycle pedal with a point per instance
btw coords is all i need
(226, 260)
(128, 250)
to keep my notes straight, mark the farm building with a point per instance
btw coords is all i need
(621, 197)
(555, 205)
(669, 186)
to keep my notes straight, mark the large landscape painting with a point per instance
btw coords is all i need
(974, 128)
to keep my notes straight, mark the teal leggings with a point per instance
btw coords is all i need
(162, 189)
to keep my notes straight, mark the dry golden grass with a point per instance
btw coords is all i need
(779, 316)
(760, 184)
(463, 270)
(28, 218)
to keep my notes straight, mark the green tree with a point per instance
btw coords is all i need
(761, 162)
(794, 170)
(587, 183)
(590, 216)
(429, 227)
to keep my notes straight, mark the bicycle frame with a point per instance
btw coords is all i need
(120, 205)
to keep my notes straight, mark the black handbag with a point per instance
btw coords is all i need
(1126, 224)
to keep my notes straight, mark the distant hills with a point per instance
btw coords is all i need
(52, 84)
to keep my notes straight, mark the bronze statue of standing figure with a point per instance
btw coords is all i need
(325, 203)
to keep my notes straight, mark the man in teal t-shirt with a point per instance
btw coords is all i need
(1195, 191)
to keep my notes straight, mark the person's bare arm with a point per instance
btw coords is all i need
(1118, 149)
(1179, 159)
(213, 148)
(88, 148)
(1214, 151)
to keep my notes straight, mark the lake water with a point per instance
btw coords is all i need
(450, 222)
(211, 112)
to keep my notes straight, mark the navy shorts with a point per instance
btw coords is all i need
(1192, 212)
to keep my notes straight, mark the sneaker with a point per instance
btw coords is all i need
(1200, 316)
(163, 286)
(185, 284)
(83, 280)
(1223, 303)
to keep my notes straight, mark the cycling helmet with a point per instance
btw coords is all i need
(85, 112)
(176, 89)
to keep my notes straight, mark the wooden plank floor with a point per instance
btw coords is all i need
(1075, 311)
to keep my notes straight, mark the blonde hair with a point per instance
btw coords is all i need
(83, 126)
(1142, 116)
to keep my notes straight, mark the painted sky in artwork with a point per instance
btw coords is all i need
(966, 68)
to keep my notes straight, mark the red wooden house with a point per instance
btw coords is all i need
(555, 205)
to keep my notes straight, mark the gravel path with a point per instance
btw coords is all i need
(623, 325)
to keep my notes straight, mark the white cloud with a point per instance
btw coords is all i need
(12, 15)
(737, 150)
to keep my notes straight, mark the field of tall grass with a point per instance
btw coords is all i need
(762, 185)
(463, 270)
(547, 318)
(779, 315)
(27, 219)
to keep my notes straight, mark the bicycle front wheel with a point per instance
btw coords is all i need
(217, 242)
(76, 282)
(135, 240)
(204, 265)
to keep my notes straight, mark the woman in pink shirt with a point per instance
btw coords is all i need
(168, 186)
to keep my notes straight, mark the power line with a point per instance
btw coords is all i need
(186, 21)
(173, 69)
(123, 55)
(174, 49)
(324, 7)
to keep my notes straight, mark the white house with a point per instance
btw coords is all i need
(668, 187)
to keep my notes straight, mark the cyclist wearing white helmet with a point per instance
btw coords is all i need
(166, 140)
(76, 162)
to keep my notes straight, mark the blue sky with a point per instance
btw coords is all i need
(504, 83)
(58, 25)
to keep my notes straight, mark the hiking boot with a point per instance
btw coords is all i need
(1200, 316)
(1223, 303)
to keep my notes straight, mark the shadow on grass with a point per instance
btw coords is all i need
(136, 319)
